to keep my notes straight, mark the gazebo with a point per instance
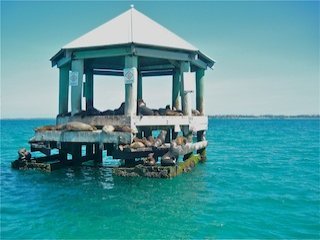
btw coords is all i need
(135, 47)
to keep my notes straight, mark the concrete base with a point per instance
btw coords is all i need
(158, 171)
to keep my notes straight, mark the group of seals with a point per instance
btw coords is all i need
(146, 142)
(143, 110)
(170, 158)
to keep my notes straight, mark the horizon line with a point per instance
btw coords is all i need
(315, 115)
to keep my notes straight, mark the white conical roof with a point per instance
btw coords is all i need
(130, 27)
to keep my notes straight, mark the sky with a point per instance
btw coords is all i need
(266, 53)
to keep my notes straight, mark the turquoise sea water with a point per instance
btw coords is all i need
(261, 180)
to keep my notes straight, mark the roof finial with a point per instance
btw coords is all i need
(132, 6)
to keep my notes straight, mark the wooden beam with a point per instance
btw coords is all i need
(157, 67)
(63, 88)
(63, 61)
(76, 89)
(162, 54)
(199, 63)
(156, 73)
(100, 53)
(108, 73)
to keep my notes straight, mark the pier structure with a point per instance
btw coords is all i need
(132, 47)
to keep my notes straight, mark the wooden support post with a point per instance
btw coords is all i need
(89, 89)
(202, 152)
(147, 132)
(176, 88)
(89, 151)
(139, 96)
(185, 99)
(173, 134)
(76, 153)
(200, 90)
(168, 136)
(63, 153)
(63, 88)
(97, 154)
(76, 86)
(131, 62)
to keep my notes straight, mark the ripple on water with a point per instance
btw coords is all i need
(261, 180)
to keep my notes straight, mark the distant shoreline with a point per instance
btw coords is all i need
(267, 116)
(222, 116)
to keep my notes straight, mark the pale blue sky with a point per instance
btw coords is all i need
(267, 54)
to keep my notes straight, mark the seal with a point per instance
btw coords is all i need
(46, 128)
(76, 126)
(195, 112)
(120, 110)
(108, 112)
(108, 128)
(160, 139)
(136, 145)
(118, 128)
(91, 111)
(151, 140)
(143, 109)
(180, 140)
(168, 160)
(24, 154)
(143, 140)
(150, 161)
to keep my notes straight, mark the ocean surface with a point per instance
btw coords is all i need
(261, 180)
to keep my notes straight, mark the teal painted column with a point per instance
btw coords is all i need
(63, 88)
(89, 89)
(139, 86)
(176, 88)
(131, 62)
(200, 90)
(185, 67)
(76, 81)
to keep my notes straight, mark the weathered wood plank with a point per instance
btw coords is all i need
(163, 54)
(100, 53)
